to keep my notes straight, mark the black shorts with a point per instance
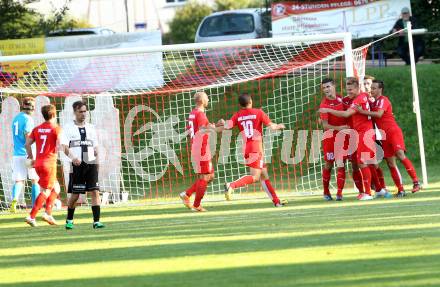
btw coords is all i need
(83, 178)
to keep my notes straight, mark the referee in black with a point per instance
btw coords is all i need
(79, 142)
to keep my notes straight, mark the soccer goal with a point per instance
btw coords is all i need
(139, 99)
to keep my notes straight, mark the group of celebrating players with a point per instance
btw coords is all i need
(366, 120)
(360, 128)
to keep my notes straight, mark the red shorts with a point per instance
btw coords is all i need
(335, 150)
(394, 141)
(47, 174)
(366, 149)
(204, 167)
(254, 160)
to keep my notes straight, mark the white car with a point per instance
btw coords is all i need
(234, 25)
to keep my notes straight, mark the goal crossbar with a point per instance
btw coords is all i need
(346, 37)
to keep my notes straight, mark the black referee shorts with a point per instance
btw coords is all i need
(83, 178)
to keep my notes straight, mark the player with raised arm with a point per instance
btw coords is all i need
(200, 153)
(80, 144)
(22, 126)
(46, 137)
(366, 149)
(393, 144)
(250, 122)
(332, 153)
(368, 81)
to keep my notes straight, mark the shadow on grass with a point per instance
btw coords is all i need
(242, 204)
(255, 220)
(156, 250)
(411, 271)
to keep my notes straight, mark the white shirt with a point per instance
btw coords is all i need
(71, 137)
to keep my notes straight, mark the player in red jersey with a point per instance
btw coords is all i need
(393, 143)
(352, 157)
(366, 148)
(332, 151)
(250, 122)
(368, 81)
(200, 152)
(46, 137)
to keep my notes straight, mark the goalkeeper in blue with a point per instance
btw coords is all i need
(22, 125)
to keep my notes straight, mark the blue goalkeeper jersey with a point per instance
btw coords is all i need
(21, 125)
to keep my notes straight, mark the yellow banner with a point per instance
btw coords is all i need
(22, 47)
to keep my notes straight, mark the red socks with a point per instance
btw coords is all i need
(326, 180)
(375, 178)
(410, 169)
(200, 191)
(192, 189)
(340, 179)
(379, 173)
(50, 200)
(366, 179)
(242, 181)
(270, 191)
(357, 178)
(395, 174)
(41, 199)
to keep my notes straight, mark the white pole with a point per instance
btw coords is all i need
(417, 106)
(180, 47)
(349, 68)
(348, 52)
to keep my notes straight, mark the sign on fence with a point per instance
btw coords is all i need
(363, 18)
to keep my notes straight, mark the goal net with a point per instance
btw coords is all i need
(139, 100)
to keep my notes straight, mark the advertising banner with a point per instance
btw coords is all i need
(363, 18)
(21, 47)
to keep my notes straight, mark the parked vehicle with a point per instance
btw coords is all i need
(81, 31)
(229, 25)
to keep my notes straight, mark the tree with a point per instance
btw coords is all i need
(18, 21)
(222, 5)
(184, 25)
(428, 14)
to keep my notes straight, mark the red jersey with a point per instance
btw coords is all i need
(335, 104)
(387, 121)
(361, 123)
(196, 120)
(346, 103)
(46, 136)
(250, 122)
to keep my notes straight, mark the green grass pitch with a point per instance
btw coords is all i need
(394, 242)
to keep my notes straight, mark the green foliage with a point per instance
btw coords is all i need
(398, 89)
(428, 14)
(17, 21)
(221, 5)
(184, 25)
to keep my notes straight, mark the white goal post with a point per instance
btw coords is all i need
(139, 99)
